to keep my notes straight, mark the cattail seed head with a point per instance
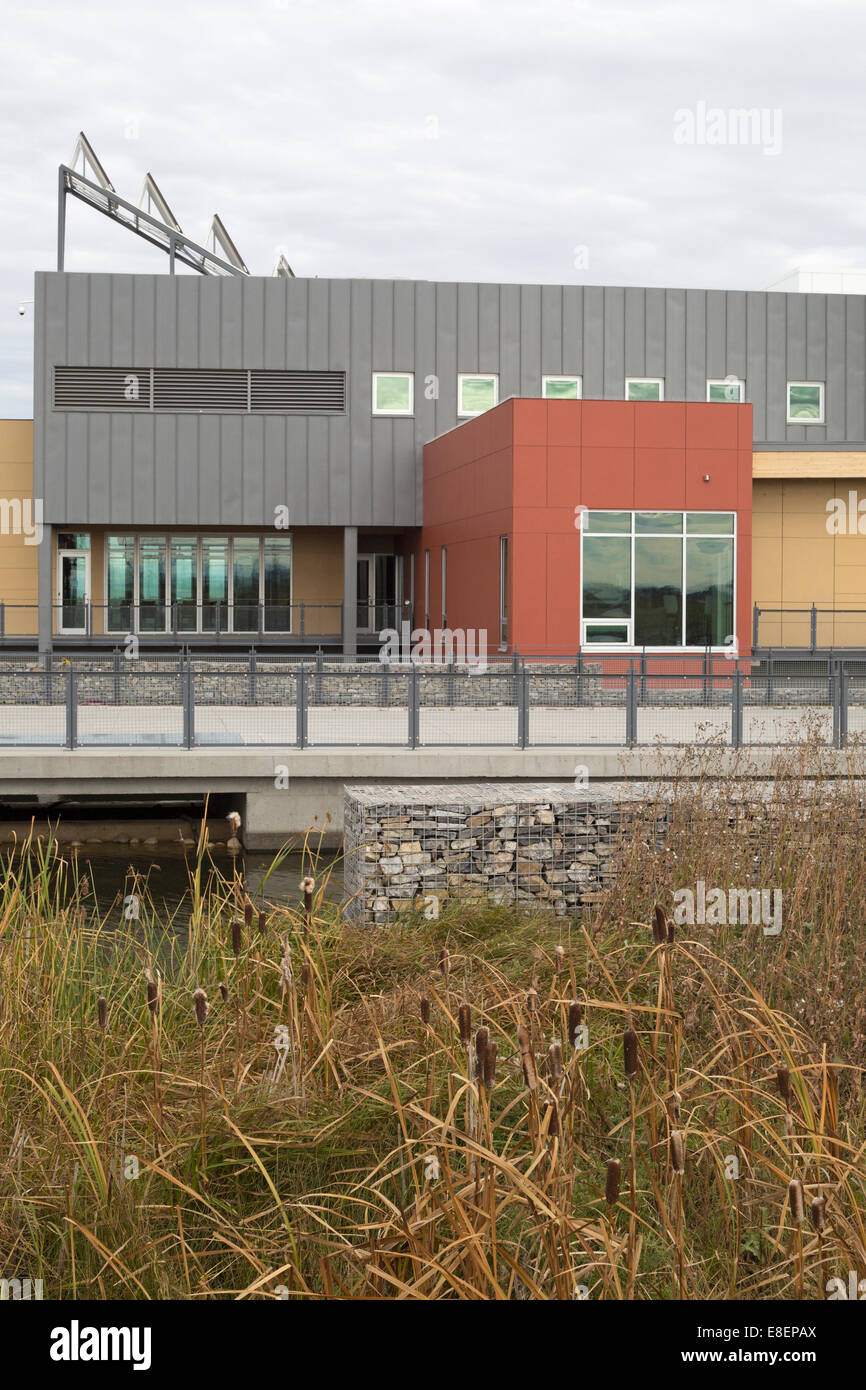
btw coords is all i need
(678, 1152)
(224, 994)
(425, 1009)
(614, 1176)
(305, 973)
(575, 1022)
(552, 1111)
(796, 1201)
(660, 925)
(490, 1054)
(445, 962)
(464, 1019)
(152, 990)
(248, 915)
(675, 1104)
(532, 1000)
(200, 1004)
(530, 1074)
(783, 1081)
(237, 930)
(102, 1012)
(559, 959)
(630, 1053)
(263, 923)
(482, 1042)
(671, 931)
(818, 1212)
(554, 1061)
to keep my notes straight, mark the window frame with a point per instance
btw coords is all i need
(727, 381)
(798, 419)
(578, 380)
(476, 376)
(658, 381)
(200, 538)
(631, 647)
(395, 414)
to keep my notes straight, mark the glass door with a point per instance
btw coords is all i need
(73, 589)
(366, 594)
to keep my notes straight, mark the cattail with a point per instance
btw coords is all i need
(559, 959)
(530, 1075)
(464, 1019)
(236, 937)
(678, 1152)
(223, 989)
(532, 1000)
(554, 1061)
(675, 1103)
(575, 1022)
(102, 1012)
(818, 1213)
(307, 888)
(152, 991)
(287, 978)
(491, 1052)
(201, 1006)
(796, 1202)
(660, 925)
(630, 1053)
(783, 1081)
(425, 1009)
(553, 1119)
(263, 923)
(482, 1042)
(671, 931)
(445, 962)
(248, 915)
(305, 973)
(614, 1175)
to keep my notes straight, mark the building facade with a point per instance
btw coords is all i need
(246, 459)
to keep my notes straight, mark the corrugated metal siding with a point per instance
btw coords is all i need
(143, 468)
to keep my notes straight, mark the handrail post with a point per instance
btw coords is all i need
(756, 613)
(813, 627)
(301, 701)
(631, 706)
(71, 708)
(737, 709)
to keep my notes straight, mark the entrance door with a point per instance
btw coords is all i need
(379, 585)
(73, 589)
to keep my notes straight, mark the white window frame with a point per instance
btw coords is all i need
(629, 648)
(658, 381)
(402, 414)
(475, 376)
(727, 381)
(798, 419)
(577, 379)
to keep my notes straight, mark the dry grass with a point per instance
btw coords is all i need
(404, 1113)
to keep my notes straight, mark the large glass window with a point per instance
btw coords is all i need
(245, 582)
(278, 584)
(184, 582)
(658, 579)
(151, 584)
(214, 583)
(120, 583)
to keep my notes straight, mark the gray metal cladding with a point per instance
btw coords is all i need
(305, 351)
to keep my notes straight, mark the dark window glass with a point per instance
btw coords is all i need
(278, 585)
(606, 634)
(607, 576)
(245, 558)
(709, 592)
(658, 591)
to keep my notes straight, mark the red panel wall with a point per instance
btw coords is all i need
(526, 468)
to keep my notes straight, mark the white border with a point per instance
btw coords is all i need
(475, 376)
(645, 381)
(401, 375)
(798, 419)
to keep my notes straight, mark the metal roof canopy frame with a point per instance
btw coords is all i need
(167, 235)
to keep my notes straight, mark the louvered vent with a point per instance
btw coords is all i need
(217, 390)
(199, 388)
(298, 393)
(101, 388)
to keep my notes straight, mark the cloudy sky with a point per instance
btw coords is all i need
(553, 141)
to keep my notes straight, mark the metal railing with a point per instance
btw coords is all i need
(807, 628)
(307, 704)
